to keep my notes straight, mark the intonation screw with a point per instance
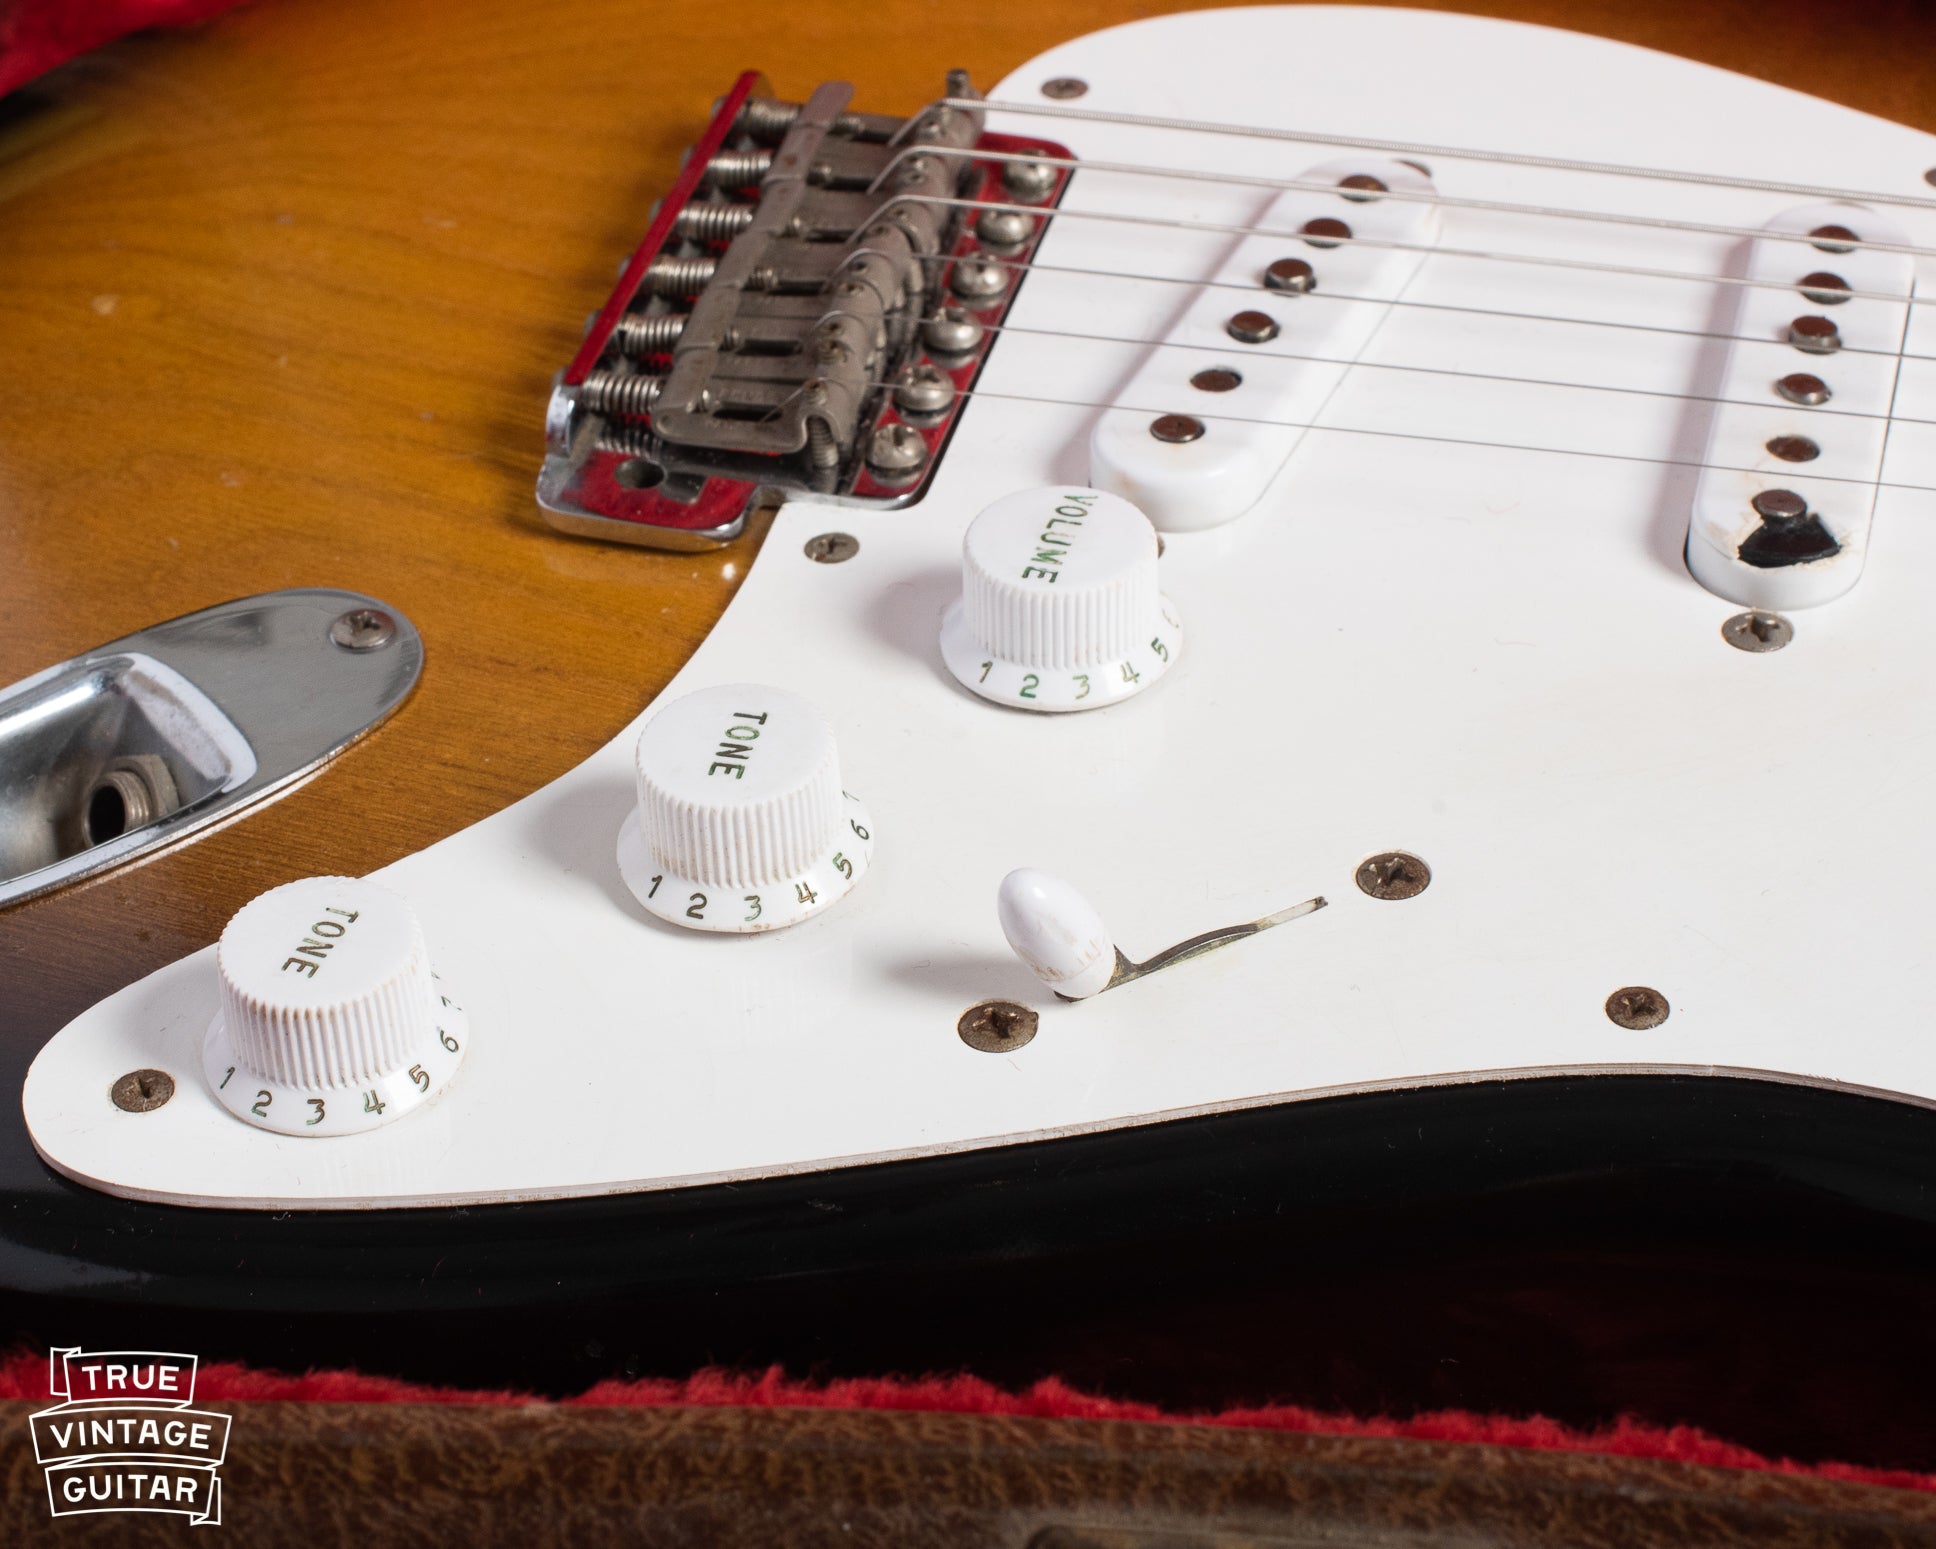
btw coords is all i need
(1065, 88)
(1176, 428)
(1393, 874)
(1804, 388)
(142, 1091)
(997, 1026)
(1252, 328)
(1757, 630)
(363, 629)
(1637, 1008)
(924, 390)
(1293, 276)
(951, 331)
(832, 548)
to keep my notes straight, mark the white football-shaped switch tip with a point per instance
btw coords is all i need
(1057, 932)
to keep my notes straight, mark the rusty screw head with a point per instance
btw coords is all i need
(1757, 630)
(1393, 874)
(831, 548)
(997, 1026)
(142, 1091)
(1637, 1008)
(1176, 428)
(1814, 335)
(1325, 231)
(1824, 289)
(1216, 379)
(1293, 276)
(1252, 327)
(1834, 239)
(1779, 505)
(1362, 187)
(1804, 388)
(363, 629)
(1794, 449)
(1065, 88)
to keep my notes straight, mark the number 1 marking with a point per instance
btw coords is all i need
(225, 1079)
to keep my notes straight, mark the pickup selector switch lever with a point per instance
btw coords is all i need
(1059, 604)
(741, 824)
(332, 1021)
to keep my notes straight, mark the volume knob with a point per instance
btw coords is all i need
(1059, 604)
(332, 1021)
(741, 824)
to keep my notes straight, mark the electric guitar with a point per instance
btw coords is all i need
(1331, 681)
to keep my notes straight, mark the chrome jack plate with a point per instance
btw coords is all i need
(141, 742)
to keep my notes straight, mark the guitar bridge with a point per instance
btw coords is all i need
(809, 308)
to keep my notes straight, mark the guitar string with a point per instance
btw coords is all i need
(1414, 148)
(1413, 435)
(1256, 290)
(1237, 356)
(1536, 260)
(1407, 196)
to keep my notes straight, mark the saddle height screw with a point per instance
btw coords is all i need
(832, 548)
(1757, 630)
(363, 629)
(997, 1026)
(142, 1091)
(1637, 1008)
(1393, 875)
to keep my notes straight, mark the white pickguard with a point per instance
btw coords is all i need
(1495, 659)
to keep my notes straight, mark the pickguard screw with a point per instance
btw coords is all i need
(1216, 379)
(1066, 88)
(1176, 428)
(1252, 328)
(1834, 239)
(831, 548)
(1325, 231)
(1362, 187)
(142, 1091)
(997, 1026)
(1757, 630)
(1393, 874)
(1637, 1008)
(1929, 177)
(363, 629)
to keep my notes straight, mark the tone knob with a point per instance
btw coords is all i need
(332, 1020)
(741, 823)
(1059, 604)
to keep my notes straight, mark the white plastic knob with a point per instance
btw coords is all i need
(1059, 604)
(332, 1021)
(1057, 932)
(741, 823)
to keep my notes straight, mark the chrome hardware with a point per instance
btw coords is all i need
(1252, 327)
(147, 739)
(648, 333)
(718, 222)
(952, 331)
(1803, 388)
(1293, 276)
(610, 392)
(739, 169)
(1815, 335)
(924, 390)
